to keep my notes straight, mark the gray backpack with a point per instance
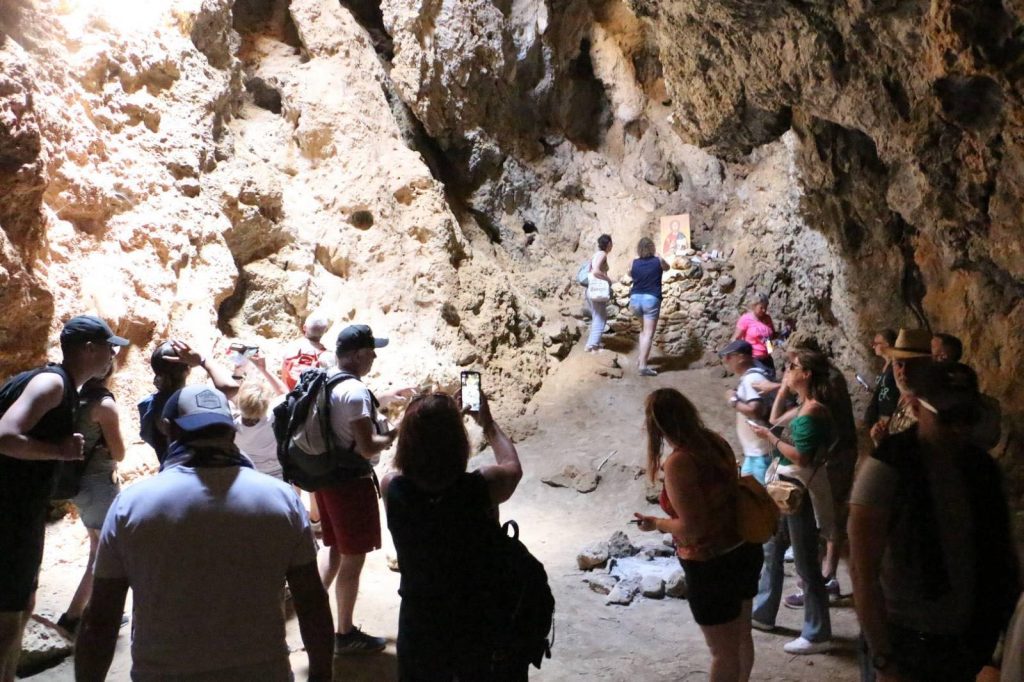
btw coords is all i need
(583, 274)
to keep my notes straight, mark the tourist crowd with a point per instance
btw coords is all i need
(216, 544)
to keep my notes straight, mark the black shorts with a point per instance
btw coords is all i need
(22, 533)
(718, 587)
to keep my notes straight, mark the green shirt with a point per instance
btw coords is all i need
(808, 434)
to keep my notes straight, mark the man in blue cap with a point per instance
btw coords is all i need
(36, 433)
(206, 546)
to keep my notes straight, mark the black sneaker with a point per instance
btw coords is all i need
(357, 642)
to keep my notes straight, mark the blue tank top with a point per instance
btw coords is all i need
(646, 274)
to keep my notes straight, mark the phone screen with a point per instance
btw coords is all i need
(471, 391)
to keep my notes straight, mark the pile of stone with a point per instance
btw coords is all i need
(698, 305)
(648, 569)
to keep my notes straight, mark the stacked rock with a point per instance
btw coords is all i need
(699, 306)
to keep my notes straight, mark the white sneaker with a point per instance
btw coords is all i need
(802, 647)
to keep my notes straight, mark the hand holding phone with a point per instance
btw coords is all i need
(471, 389)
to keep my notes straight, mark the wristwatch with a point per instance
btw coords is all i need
(880, 662)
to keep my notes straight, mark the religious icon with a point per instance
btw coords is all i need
(675, 234)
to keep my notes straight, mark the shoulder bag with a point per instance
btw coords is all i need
(598, 290)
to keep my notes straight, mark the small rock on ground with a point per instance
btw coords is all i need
(652, 587)
(602, 583)
(675, 586)
(592, 556)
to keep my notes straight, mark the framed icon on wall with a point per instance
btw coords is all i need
(675, 234)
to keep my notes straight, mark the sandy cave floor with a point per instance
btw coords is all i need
(581, 418)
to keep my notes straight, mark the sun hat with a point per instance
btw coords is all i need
(912, 343)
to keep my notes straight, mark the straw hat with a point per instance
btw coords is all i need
(912, 343)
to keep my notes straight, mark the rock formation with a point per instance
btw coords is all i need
(218, 169)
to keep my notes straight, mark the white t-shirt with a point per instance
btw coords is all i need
(350, 400)
(751, 444)
(205, 551)
(258, 442)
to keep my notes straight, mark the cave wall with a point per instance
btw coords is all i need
(218, 169)
(910, 120)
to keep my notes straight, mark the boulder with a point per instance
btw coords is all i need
(572, 476)
(624, 591)
(592, 556)
(675, 586)
(652, 587)
(619, 545)
(602, 583)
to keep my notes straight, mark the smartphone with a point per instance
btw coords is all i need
(242, 349)
(471, 390)
(753, 422)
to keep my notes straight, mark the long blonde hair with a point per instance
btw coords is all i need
(669, 415)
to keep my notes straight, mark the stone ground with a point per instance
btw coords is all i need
(582, 418)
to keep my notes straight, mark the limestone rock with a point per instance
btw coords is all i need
(619, 545)
(602, 583)
(655, 548)
(625, 591)
(675, 586)
(572, 476)
(593, 556)
(42, 646)
(652, 587)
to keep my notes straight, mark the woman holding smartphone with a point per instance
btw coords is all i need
(801, 461)
(699, 497)
(440, 517)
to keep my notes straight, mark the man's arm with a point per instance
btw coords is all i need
(94, 649)
(368, 442)
(752, 409)
(315, 624)
(43, 393)
(221, 377)
(867, 530)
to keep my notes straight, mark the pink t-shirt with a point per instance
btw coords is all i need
(754, 331)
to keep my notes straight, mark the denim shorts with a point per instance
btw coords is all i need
(646, 306)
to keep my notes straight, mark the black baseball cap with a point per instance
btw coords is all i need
(737, 346)
(358, 336)
(89, 328)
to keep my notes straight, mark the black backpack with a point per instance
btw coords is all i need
(68, 474)
(320, 470)
(520, 602)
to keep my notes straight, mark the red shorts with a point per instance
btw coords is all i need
(349, 516)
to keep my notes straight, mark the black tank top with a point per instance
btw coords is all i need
(24, 479)
(442, 539)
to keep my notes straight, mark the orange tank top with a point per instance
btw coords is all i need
(719, 498)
